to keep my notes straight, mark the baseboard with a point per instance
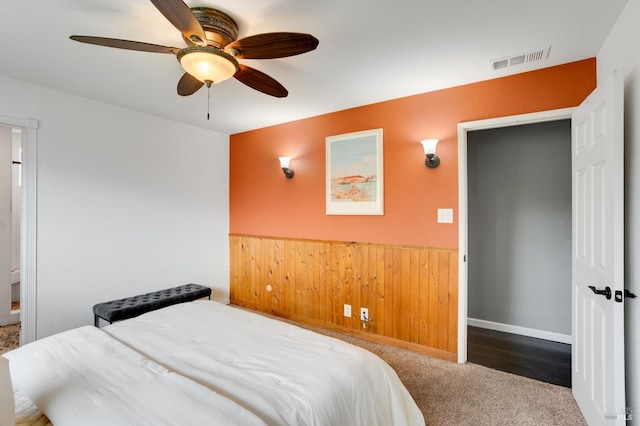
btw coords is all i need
(523, 331)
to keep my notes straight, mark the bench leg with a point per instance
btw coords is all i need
(96, 321)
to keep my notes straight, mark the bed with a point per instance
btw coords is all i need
(204, 362)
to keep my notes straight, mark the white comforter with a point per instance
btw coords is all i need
(284, 374)
(85, 377)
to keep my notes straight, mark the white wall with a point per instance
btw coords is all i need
(622, 50)
(127, 203)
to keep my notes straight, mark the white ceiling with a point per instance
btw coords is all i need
(369, 51)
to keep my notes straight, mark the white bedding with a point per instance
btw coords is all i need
(284, 374)
(85, 377)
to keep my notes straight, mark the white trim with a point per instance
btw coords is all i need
(462, 243)
(463, 128)
(28, 237)
(523, 331)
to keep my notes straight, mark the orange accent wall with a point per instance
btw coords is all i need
(263, 203)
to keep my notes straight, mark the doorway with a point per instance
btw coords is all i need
(463, 298)
(519, 231)
(28, 237)
(10, 217)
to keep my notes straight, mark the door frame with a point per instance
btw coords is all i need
(463, 226)
(28, 237)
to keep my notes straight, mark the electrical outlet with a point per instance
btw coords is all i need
(364, 314)
(347, 310)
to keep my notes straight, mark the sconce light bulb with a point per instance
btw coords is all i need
(284, 162)
(432, 161)
(429, 146)
(284, 165)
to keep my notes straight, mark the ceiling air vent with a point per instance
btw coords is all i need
(523, 58)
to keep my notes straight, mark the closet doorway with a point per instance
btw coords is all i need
(10, 217)
(27, 128)
(519, 254)
(515, 234)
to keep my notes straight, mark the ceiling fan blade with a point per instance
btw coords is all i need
(188, 85)
(260, 81)
(125, 44)
(272, 45)
(181, 17)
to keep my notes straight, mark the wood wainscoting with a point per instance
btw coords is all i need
(411, 292)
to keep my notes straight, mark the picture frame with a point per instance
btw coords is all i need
(354, 173)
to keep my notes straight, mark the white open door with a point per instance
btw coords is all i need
(598, 376)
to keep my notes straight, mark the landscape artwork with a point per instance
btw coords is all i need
(354, 173)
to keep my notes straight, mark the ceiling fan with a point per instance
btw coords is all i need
(213, 48)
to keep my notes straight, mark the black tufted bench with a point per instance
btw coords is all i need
(130, 307)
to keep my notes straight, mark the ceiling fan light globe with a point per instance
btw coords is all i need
(207, 63)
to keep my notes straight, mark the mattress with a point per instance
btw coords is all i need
(285, 374)
(204, 362)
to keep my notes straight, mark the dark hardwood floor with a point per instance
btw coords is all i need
(522, 355)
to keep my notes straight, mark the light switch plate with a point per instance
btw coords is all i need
(445, 215)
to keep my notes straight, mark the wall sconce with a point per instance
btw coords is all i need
(432, 161)
(284, 165)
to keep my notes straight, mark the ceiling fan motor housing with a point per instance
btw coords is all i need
(219, 28)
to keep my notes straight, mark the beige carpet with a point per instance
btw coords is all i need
(454, 394)
(9, 337)
(468, 394)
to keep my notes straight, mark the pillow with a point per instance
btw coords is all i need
(7, 403)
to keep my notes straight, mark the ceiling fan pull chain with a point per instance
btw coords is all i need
(208, 83)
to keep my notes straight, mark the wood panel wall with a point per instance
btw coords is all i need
(411, 292)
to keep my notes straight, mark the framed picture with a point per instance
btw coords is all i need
(355, 173)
